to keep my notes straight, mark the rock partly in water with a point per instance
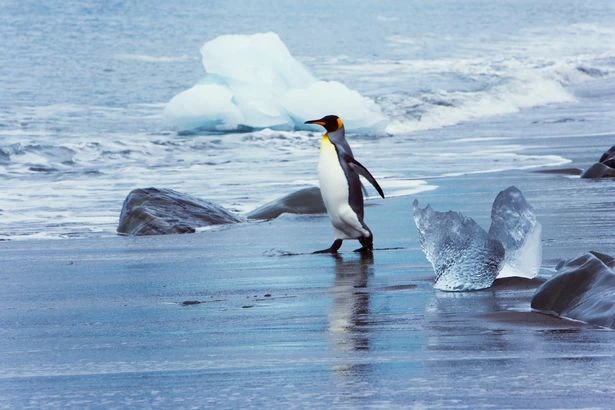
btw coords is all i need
(583, 289)
(604, 168)
(599, 170)
(561, 171)
(514, 224)
(304, 201)
(608, 157)
(517, 283)
(608, 260)
(153, 211)
(462, 254)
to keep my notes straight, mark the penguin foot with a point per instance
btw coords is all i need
(367, 245)
(333, 248)
(328, 250)
(364, 250)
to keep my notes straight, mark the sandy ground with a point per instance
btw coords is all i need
(115, 322)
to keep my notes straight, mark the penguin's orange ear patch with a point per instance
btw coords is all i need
(340, 124)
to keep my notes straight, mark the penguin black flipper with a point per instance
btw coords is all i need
(361, 170)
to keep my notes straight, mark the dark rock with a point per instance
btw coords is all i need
(608, 260)
(599, 170)
(517, 283)
(608, 155)
(153, 211)
(604, 168)
(583, 289)
(561, 171)
(304, 201)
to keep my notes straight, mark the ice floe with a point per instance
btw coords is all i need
(253, 82)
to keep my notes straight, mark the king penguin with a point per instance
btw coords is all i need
(340, 187)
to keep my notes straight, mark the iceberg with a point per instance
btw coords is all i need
(514, 224)
(253, 82)
(462, 254)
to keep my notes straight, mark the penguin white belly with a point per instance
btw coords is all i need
(334, 190)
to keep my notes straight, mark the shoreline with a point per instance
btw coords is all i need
(458, 143)
(117, 317)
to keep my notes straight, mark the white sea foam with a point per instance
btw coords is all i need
(430, 93)
(526, 89)
(404, 187)
(152, 59)
(505, 99)
(253, 82)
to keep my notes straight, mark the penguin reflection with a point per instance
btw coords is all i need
(348, 318)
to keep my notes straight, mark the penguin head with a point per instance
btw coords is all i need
(331, 123)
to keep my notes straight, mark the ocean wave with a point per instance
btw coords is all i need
(70, 118)
(444, 108)
(537, 68)
(238, 170)
(484, 90)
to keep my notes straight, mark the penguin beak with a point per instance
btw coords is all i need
(317, 122)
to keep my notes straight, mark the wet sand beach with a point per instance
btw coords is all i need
(445, 103)
(228, 318)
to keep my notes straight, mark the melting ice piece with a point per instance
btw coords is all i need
(253, 82)
(462, 254)
(514, 224)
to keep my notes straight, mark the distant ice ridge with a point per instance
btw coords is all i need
(465, 257)
(253, 82)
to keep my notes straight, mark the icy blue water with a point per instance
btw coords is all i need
(464, 84)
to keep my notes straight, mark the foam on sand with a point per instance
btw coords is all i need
(253, 82)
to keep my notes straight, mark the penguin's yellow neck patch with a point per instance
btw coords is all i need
(325, 143)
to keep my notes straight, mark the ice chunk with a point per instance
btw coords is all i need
(253, 82)
(189, 110)
(260, 59)
(462, 254)
(514, 224)
(359, 113)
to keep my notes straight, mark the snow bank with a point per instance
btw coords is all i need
(253, 82)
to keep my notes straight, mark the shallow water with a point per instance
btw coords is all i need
(104, 323)
(84, 85)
